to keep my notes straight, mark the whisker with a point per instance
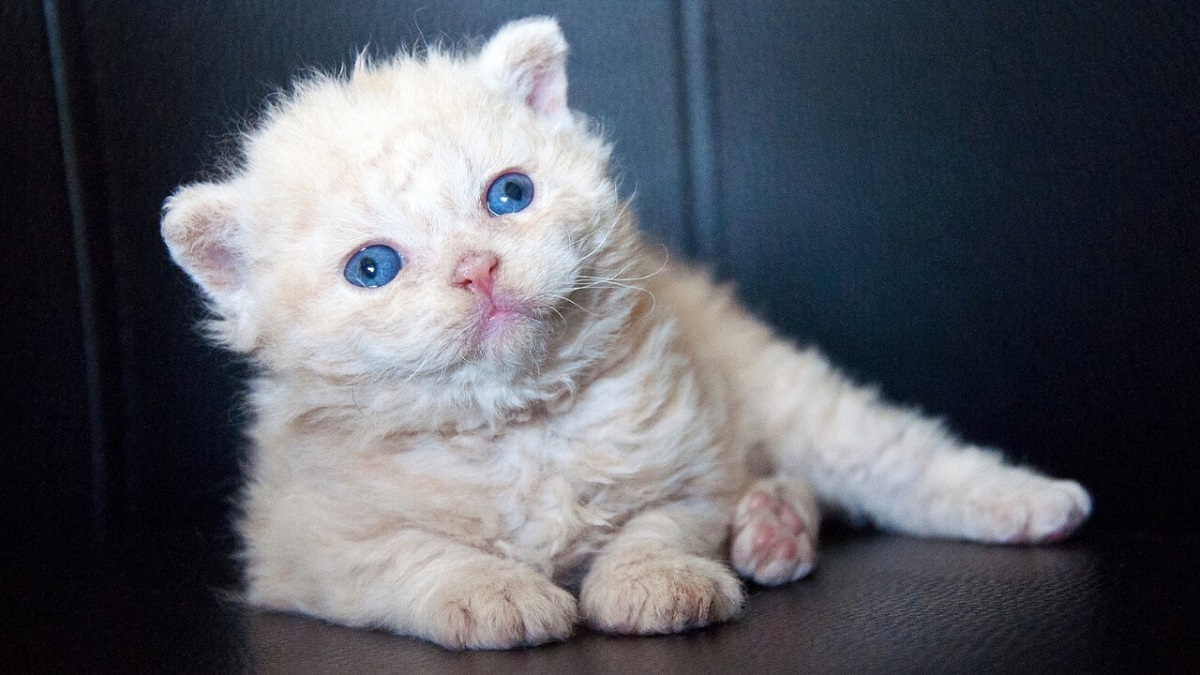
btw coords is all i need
(420, 367)
(560, 315)
(603, 241)
(621, 215)
(566, 299)
(618, 275)
(617, 284)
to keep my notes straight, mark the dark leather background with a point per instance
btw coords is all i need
(991, 209)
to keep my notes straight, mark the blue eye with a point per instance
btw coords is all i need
(509, 193)
(373, 266)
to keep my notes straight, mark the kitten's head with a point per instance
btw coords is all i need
(426, 216)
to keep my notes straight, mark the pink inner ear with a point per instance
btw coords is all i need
(527, 60)
(219, 265)
(548, 93)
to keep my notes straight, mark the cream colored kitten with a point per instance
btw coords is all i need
(466, 401)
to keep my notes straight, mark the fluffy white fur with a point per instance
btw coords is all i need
(627, 432)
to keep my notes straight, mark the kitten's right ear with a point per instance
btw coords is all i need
(200, 228)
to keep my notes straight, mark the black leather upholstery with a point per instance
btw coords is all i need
(1106, 603)
(992, 209)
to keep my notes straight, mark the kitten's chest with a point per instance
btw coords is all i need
(553, 500)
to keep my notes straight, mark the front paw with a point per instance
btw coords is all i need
(1030, 511)
(659, 592)
(499, 610)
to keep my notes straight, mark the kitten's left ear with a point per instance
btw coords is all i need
(527, 60)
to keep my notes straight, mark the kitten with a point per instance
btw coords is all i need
(477, 385)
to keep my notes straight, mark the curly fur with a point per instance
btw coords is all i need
(421, 465)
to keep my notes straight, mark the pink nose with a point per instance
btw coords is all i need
(476, 272)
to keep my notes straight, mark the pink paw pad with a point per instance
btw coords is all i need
(771, 542)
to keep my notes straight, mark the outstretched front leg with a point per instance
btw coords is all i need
(660, 574)
(415, 583)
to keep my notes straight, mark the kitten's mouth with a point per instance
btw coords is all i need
(500, 315)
